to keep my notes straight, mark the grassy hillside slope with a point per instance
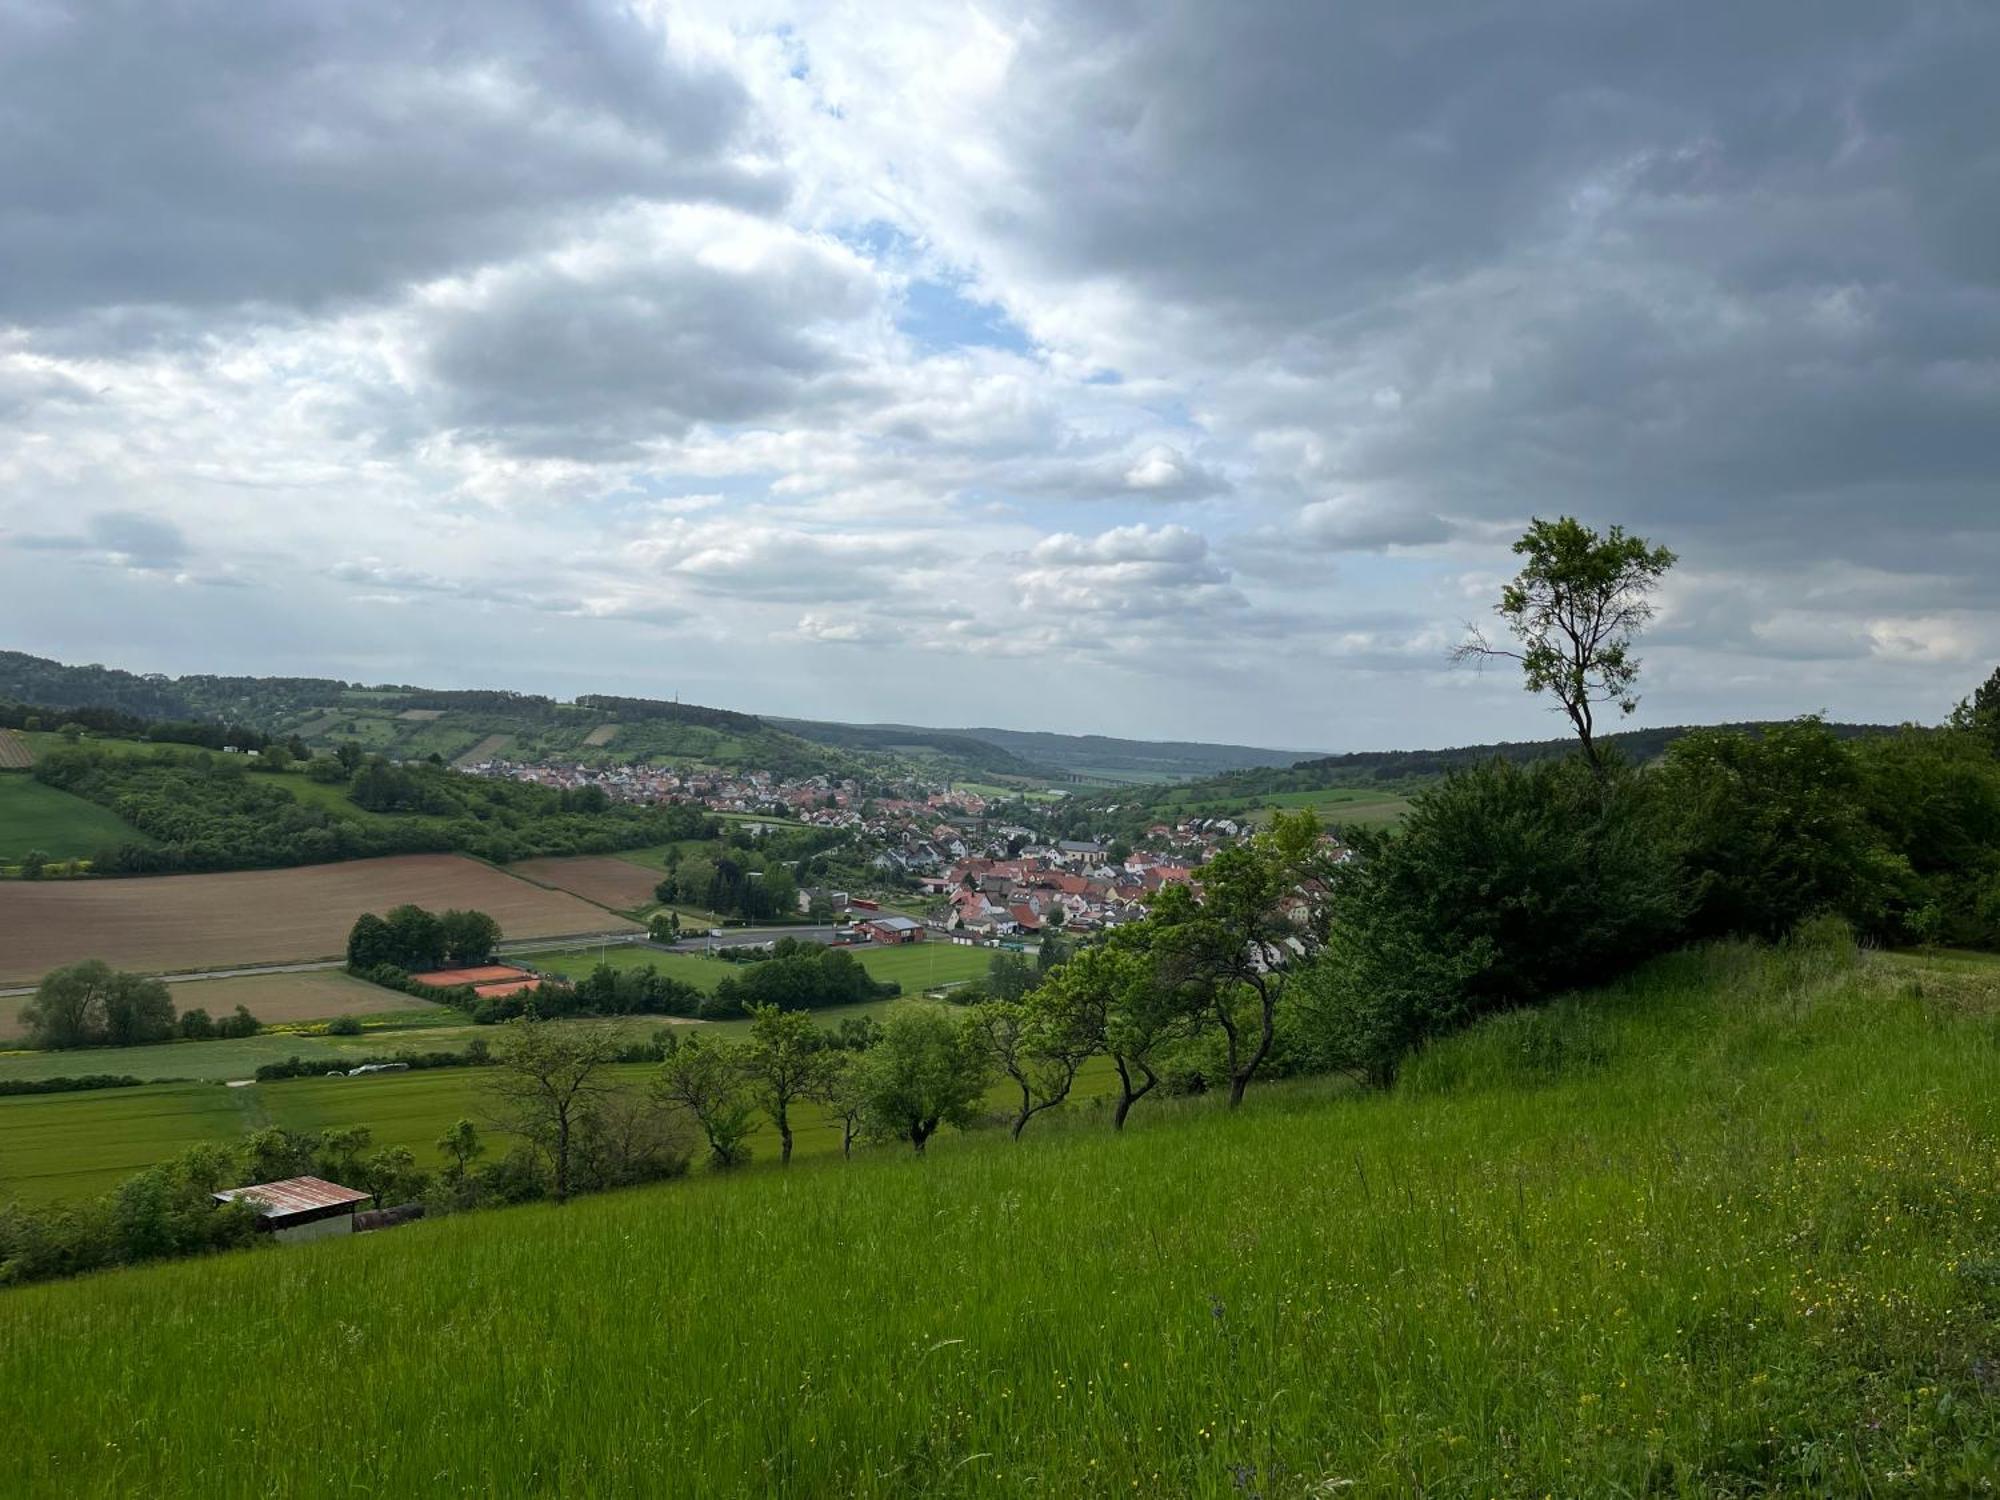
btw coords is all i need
(1731, 1227)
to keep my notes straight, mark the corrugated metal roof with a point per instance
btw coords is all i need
(295, 1195)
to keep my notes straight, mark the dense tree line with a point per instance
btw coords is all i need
(91, 1004)
(731, 882)
(212, 812)
(798, 976)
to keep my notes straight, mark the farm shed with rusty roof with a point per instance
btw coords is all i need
(299, 1208)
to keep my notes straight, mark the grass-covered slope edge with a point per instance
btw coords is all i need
(1730, 1226)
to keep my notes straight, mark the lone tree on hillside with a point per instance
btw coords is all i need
(1229, 958)
(926, 1071)
(546, 1080)
(1576, 607)
(785, 1060)
(706, 1081)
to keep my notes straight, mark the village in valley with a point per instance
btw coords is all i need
(979, 864)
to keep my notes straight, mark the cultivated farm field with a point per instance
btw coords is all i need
(1726, 1228)
(62, 826)
(605, 879)
(14, 752)
(274, 999)
(180, 922)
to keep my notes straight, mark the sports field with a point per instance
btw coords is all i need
(274, 999)
(179, 922)
(605, 879)
(62, 826)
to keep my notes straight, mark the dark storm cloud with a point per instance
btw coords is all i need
(550, 360)
(209, 154)
(120, 538)
(1732, 272)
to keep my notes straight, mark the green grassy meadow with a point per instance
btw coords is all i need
(61, 825)
(73, 1146)
(1729, 1228)
(1334, 806)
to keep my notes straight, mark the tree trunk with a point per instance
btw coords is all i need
(921, 1132)
(784, 1137)
(562, 1157)
(1129, 1096)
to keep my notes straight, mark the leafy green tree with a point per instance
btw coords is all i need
(137, 1011)
(706, 1081)
(1038, 1044)
(1503, 885)
(545, 1077)
(1108, 993)
(389, 1175)
(33, 863)
(417, 936)
(1979, 715)
(1231, 956)
(1009, 976)
(467, 937)
(461, 1147)
(785, 1060)
(1773, 829)
(349, 757)
(843, 1093)
(370, 944)
(91, 1004)
(1576, 607)
(926, 1071)
(1935, 801)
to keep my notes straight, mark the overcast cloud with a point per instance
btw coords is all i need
(1155, 368)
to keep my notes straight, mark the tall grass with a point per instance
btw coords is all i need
(1730, 1228)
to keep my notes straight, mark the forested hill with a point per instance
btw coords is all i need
(405, 721)
(1089, 757)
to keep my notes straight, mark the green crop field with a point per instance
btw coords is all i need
(1334, 806)
(62, 826)
(1729, 1228)
(239, 1057)
(78, 1144)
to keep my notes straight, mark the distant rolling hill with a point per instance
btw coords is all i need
(1091, 757)
(403, 720)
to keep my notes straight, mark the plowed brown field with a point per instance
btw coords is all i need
(180, 922)
(603, 878)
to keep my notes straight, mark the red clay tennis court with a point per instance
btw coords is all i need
(481, 974)
(504, 987)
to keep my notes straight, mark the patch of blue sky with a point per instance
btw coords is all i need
(938, 317)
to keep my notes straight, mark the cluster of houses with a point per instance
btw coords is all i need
(984, 877)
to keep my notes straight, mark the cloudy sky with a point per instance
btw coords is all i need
(1152, 368)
